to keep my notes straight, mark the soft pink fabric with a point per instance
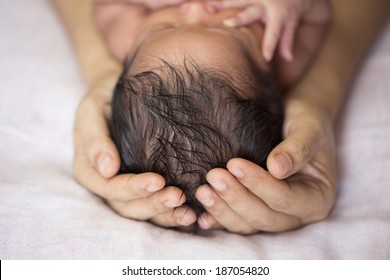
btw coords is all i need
(45, 214)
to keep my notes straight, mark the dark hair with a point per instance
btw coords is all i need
(182, 121)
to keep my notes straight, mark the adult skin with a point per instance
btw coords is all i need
(308, 149)
(246, 199)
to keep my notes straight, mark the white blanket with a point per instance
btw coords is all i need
(45, 214)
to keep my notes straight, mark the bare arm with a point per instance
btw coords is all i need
(96, 160)
(355, 26)
(93, 55)
(354, 29)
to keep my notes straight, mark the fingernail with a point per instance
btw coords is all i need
(284, 162)
(204, 222)
(237, 173)
(219, 185)
(229, 22)
(185, 220)
(171, 204)
(289, 56)
(205, 198)
(267, 55)
(104, 162)
(208, 202)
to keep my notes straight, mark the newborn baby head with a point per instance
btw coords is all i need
(181, 121)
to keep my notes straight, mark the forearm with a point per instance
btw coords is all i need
(354, 28)
(94, 58)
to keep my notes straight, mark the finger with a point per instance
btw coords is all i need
(248, 204)
(303, 135)
(287, 40)
(123, 187)
(163, 201)
(185, 216)
(273, 30)
(93, 136)
(221, 212)
(299, 196)
(182, 216)
(248, 16)
(206, 221)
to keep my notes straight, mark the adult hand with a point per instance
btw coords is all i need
(246, 198)
(96, 163)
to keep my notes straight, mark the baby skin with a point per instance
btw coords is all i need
(280, 17)
(179, 25)
(299, 187)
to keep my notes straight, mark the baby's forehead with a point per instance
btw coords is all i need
(206, 48)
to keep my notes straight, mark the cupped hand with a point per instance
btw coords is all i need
(97, 162)
(298, 188)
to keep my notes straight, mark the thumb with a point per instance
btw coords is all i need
(295, 151)
(105, 157)
(92, 136)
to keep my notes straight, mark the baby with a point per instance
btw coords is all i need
(281, 17)
(181, 118)
(182, 121)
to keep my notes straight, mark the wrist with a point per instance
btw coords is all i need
(324, 96)
(104, 84)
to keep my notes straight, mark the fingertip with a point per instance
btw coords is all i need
(267, 55)
(235, 167)
(203, 222)
(106, 165)
(175, 196)
(268, 51)
(206, 221)
(287, 54)
(205, 196)
(289, 57)
(145, 183)
(280, 165)
(215, 174)
(153, 179)
(185, 216)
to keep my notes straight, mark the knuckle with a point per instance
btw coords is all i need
(159, 208)
(132, 187)
(232, 198)
(157, 204)
(119, 190)
(303, 150)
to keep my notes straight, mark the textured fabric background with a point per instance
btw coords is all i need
(45, 214)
